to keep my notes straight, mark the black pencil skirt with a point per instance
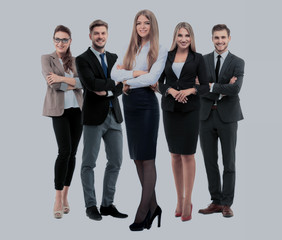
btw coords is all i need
(181, 131)
(141, 113)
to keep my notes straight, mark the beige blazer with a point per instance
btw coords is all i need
(54, 99)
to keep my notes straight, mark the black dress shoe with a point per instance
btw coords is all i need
(112, 211)
(93, 213)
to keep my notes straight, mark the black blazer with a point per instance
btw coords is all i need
(96, 108)
(228, 107)
(193, 66)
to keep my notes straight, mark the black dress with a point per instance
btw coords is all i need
(141, 114)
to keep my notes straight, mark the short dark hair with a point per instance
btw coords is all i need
(97, 23)
(220, 27)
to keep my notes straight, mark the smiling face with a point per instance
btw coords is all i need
(183, 39)
(220, 40)
(99, 36)
(143, 27)
(62, 42)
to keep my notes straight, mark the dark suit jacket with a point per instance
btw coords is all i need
(228, 107)
(96, 108)
(193, 66)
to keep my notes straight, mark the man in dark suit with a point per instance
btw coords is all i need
(101, 118)
(220, 111)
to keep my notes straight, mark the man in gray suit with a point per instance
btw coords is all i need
(219, 114)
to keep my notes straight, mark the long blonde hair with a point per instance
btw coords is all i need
(189, 28)
(135, 42)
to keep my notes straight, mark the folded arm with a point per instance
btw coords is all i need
(88, 79)
(232, 89)
(151, 77)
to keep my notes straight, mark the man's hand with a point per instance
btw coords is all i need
(233, 80)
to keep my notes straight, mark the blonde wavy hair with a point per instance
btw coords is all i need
(135, 41)
(189, 28)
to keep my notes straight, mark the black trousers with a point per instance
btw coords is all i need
(68, 131)
(212, 130)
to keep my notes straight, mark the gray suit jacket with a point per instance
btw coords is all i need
(228, 107)
(54, 99)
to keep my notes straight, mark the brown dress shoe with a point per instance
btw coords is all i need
(212, 208)
(227, 211)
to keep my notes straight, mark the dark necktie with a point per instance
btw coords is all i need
(104, 66)
(217, 68)
(105, 69)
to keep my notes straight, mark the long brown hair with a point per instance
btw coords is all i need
(67, 57)
(189, 28)
(135, 41)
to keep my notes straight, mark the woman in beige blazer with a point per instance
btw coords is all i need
(63, 102)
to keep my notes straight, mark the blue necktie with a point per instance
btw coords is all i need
(105, 69)
(104, 66)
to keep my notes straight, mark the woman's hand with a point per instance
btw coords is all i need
(138, 73)
(119, 67)
(182, 95)
(173, 92)
(155, 87)
(125, 88)
(53, 78)
(197, 81)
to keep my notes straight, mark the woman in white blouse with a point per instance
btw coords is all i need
(139, 69)
(63, 102)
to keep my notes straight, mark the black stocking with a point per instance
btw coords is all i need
(147, 175)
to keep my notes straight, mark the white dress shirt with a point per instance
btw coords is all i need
(141, 64)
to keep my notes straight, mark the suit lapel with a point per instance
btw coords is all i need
(189, 58)
(225, 65)
(110, 61)
(95, 62)
(171, 57)
(57, 63)
(211, 65)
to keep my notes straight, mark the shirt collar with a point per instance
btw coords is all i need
(97, 54)
(223, 55)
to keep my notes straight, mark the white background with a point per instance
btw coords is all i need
(28, 146)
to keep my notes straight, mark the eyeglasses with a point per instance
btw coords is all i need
(63, 40)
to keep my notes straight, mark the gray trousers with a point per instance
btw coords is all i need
(212, 130)
(111, 133)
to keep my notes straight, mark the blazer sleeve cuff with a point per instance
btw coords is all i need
(64, 86)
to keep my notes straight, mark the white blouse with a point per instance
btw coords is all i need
(69, 96)
(141, 64)
(177, 68)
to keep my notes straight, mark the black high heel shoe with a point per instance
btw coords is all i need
(157, 212)
(140, 226)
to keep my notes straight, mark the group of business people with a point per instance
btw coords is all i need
(199, 97)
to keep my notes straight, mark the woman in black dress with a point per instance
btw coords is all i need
(180, 105)
(140, 68)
